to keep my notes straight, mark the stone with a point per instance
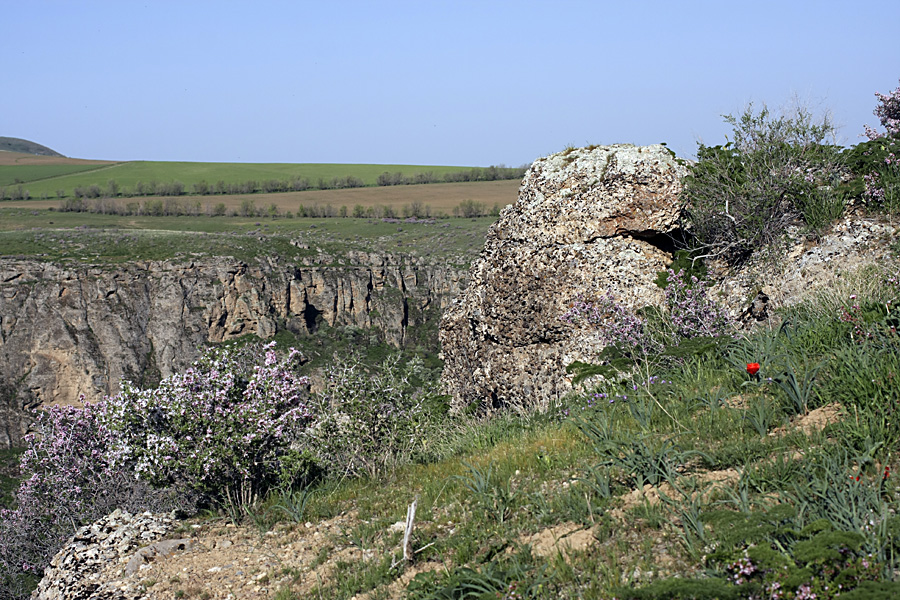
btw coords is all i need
(586, 221)
(159, 549)
(596, 220)
(82, 568)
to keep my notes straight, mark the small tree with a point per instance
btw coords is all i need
(368, 420)
(777, 170)
(222, 425)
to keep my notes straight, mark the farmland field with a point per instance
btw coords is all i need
(127, 175)
(439, 197)
(29, 175)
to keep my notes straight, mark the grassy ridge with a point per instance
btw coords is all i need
(127, 174)
(11, 144)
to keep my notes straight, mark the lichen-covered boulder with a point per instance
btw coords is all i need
(586, 221)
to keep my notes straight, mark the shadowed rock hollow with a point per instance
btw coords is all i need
(586, 221)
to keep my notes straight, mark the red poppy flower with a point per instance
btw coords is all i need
(753, 368)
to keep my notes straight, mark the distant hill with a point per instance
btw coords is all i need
(11, 144)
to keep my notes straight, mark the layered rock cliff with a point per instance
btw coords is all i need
(69, 329)
(586, 220)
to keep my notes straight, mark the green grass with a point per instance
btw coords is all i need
(94, 238)
(490, 482)
(28, 175)
(127, 174)
(791, 502)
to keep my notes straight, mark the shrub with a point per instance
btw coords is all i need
(693, 313)
(876, 162)
(470, 209)
(888, 112)
(367, 421)
(220, 425)
(741, 197)
(71, 481)
(689, 313)
(617, 325)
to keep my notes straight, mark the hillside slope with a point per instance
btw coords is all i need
(11, 144)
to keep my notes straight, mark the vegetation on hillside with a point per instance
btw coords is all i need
(705, 461)
(778, 173)
(11, 144)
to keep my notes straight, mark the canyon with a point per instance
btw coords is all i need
(71, 332)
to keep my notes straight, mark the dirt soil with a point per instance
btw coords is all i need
(20, 158)
(240, 562)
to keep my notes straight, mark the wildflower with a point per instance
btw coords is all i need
(752, 368)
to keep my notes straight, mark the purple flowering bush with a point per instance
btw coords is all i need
(615, 323)
(882, 185)
(876, 161)
(223, 430)
(210, 429)
(72, 480)
(689, 313)
(888, 112)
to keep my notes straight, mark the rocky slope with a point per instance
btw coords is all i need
(600, 219)
(68, 330)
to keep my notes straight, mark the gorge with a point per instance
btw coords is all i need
(69, 330)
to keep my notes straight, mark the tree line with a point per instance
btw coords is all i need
(492, 173)
(175, 207)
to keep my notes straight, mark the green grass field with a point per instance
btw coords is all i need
(94, 238)
(45, 180)
(31, 174)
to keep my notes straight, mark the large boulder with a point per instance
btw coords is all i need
(586, 221)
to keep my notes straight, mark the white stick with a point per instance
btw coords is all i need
(407, 535)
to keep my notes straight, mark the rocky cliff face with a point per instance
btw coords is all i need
(586, 220)
(68, 330)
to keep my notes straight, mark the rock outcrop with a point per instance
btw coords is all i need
(597, 220)
(68, 329)
(118, 544)
(586, 221)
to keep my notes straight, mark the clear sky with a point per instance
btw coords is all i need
(425, 82)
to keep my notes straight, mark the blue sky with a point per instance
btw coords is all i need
(427, 82)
